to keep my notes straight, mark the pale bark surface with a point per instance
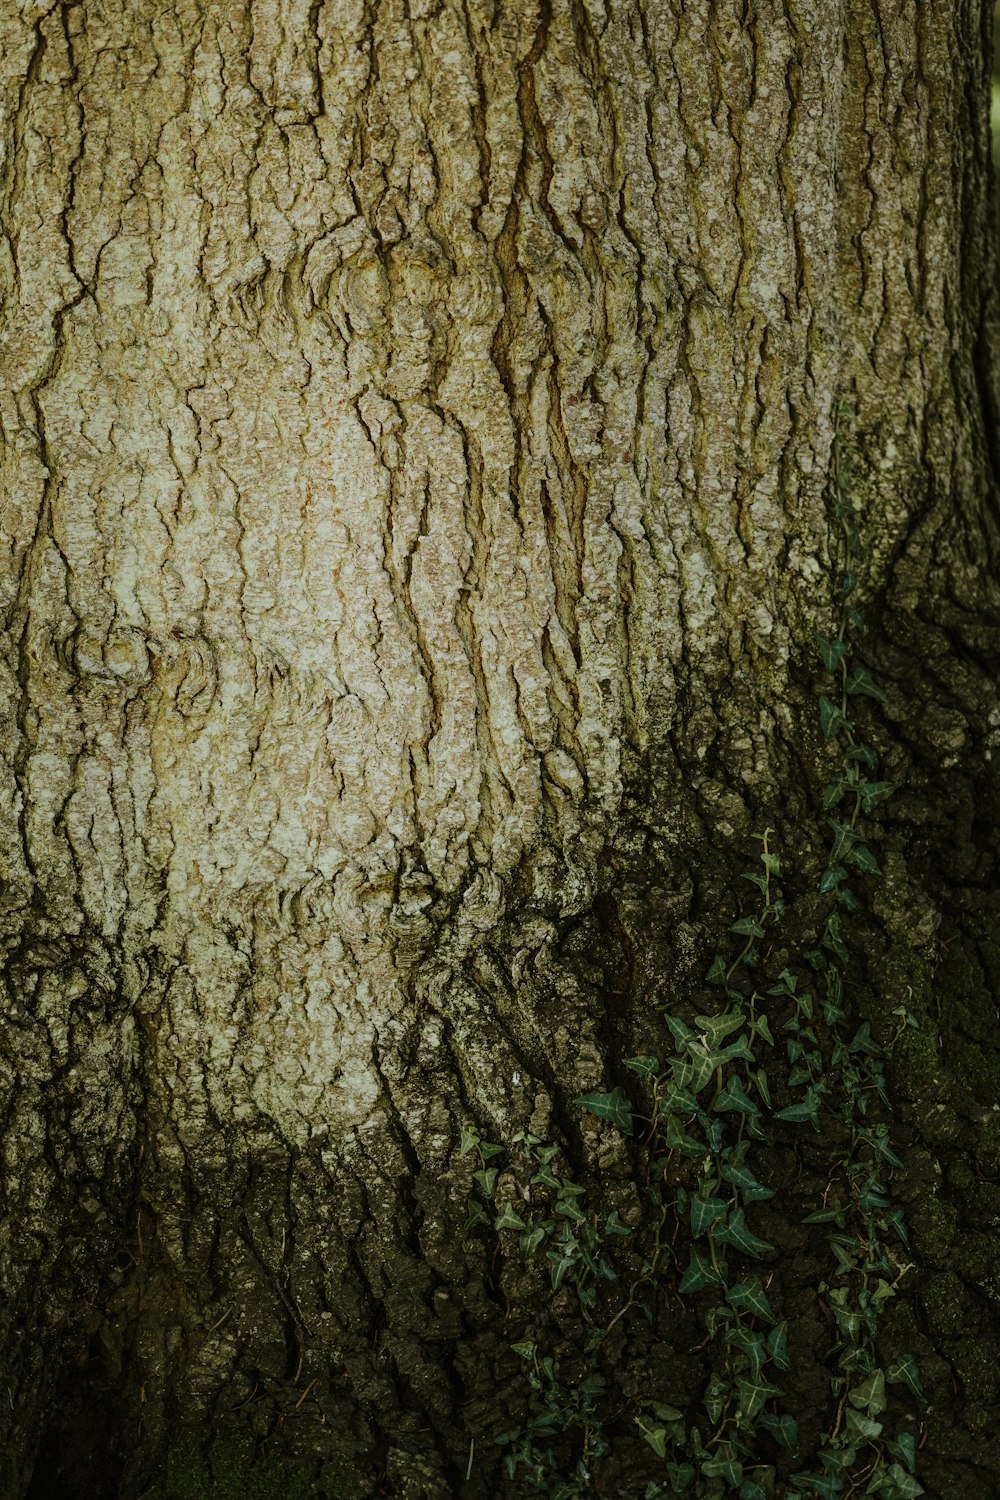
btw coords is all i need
(416, 426)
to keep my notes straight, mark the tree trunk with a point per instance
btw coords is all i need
(417, 428)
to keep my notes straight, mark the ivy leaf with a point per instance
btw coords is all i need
(861, 681)
(736, 1232)
(832, 878)
(613, 1107)
(747, 927)
(531, 1239)
(646, 1066)
(896, 1484)
(832, 651)
(832, 938)
(864, 755)
(873, 792)
(702, 1065)
(761, 1027)
(905, 1448)
(751, 1346)
(827, 1485)
(706, 1212)
(656, 1437)
(675, 1101)
(700, 1273)
(781, 1427)
(750, 1490)
(806, 1110)
(831, 719)
(716, 1394)
(742, 1178)
(752, 1396)
(864, 859)
(903, 1371)
(508, 1219)
(845, 839)
(861, 1429)
(486, 1180)
(718, 1027)
(777, 1346)
(476, 1215)
(748, 1296)
(570, 1209)
(717, 973)
(562, 1261)
(678, 1029)
(735, 1097)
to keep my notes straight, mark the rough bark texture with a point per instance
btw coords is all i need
(416, 425)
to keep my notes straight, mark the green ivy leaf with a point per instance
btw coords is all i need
(570, 1209)
(700, 1273)
(646, 1066)
(896, 1484)
(717, 973)
(675, 1101)
(702, 1065)
(806, 1111)
(861, 1429)
(656, 1437)
(751, 1490)
(735, 1097)
(476, 1215)
(562, 1262)
(777, 1346)
(873, 792)
(783, 1428)
(748, 1296)
(613, 1107)
(864, 859)
(716, 1395)
(831, 719)
(860, 681)
(752, 1394)
(486, 1180)
(751, 1346)
(706, 1212)
(905, 1449)
(531, 1239)
(832, 938)
(747, 927)
(832, 651)
(832, 878)
(864, 755)
(761, 1027)
(827, 1485)
(735, 1232)
(716, 1028)
(508, 1219)
(903, 1371)
(677, 1028)
(742, 1178)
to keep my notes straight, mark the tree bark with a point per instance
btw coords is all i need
(417, 424)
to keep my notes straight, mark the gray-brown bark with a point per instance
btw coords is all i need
(416, 426)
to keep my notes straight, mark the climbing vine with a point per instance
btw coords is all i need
(734, 1074)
